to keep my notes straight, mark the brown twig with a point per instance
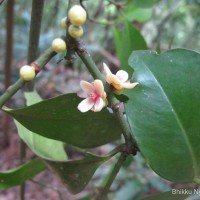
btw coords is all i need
(8, 62)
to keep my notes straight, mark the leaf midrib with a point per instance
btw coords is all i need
(178, 121)
(68, 118)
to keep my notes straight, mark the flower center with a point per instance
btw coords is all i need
(93, 95)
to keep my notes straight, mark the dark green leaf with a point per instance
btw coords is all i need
(58, 118)
(76, 174)
(163, 111)
(40, 145)
(122, 98)
(126, 41)
(20, 174)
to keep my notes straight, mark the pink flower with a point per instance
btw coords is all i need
(119, 80)
(96, 97)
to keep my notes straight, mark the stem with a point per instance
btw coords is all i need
(60, 191)
(112, 176)
(35, 26)
(113, 102)
(45, 58)
(34, 34)
(131, 146)
(22, 160)
(115, 105)
(87, 60)
(11, 91)
(9, 42)
(8, 63)
(40, 62)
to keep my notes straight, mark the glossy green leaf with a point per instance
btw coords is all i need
(164, 111)
(58, 118)
(76, 174)
(17, 176)
(126, 41)
(174, 194)
(40, 145)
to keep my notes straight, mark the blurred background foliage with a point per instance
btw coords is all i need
(164, 24)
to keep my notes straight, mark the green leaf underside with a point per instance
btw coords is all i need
(59, 119)
(42, 146)
(20, 174)
(76, 174)
(163, 111)
(126, 41)
(175, 194)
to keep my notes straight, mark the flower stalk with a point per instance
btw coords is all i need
(112, 176)
(112, 101)
(89, 63)
(131, 146)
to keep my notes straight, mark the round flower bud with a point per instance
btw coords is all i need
(58, 45)
(63, 23)
(27, 72)
(75, 31)
(77, 15)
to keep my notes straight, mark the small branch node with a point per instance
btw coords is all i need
(36, 67)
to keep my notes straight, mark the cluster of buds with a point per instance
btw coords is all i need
(96, 96)
(76, 18)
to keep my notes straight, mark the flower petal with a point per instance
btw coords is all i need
(86, 86)
(111, 78)
(118, 86)
(122, 75)
(85, 105)
(129, 85)
(106, 69)
(98, 84)
(98, 105)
